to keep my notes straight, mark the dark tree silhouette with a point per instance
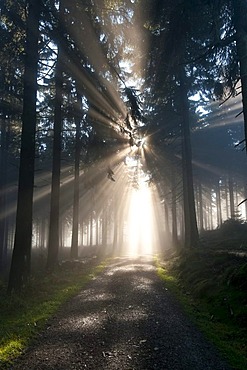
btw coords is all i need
(240, 10)
(191, 231)
(75, 225)
(53, 241)
(21, 258)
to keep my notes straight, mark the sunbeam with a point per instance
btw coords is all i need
(140, 222)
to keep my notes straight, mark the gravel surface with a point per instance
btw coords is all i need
(125, 319)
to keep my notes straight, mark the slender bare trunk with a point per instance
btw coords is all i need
(53, 241)
(21, 257)
(190, 222)
(75, 226)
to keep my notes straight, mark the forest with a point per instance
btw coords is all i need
(123, 127)
(123, 142)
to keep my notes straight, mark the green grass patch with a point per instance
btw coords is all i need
(212, 288)
(23, 315)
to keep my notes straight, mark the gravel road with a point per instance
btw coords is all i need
(125, 319)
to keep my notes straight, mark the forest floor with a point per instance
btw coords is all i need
(125, 318)
(211, 283)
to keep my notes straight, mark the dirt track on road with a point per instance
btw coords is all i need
(124, 319)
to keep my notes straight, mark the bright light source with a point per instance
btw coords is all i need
(140, 142)
(143, 141)
(131, 161)
(140, 222)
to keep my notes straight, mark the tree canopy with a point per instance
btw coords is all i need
(101, 98)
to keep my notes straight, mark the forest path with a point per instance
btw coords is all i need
(125, 319)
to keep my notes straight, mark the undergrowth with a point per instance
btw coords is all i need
(212, 287)
(24, 315)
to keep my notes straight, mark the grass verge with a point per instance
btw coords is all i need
(24, 315)
(212, 288)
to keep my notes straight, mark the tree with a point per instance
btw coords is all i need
(53, 242)
(191, 231)
(75, 220)
(3, 180)
(12, 40)
(240, 11)
(173, 81)
(21, 257)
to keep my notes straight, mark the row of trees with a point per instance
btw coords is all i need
(67, 106)
(198, 47)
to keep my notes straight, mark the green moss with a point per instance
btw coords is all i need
(23, 315)
(10, 350)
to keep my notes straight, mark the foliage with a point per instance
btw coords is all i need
(212, 287)
(232, 235)
(107, 46)
(233, 227)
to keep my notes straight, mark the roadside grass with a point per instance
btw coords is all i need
(212, 288)
(23, 315)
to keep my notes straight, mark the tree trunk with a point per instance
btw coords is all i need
(200, 200)
(96, 230)
(245, 203)
(231, 197)
(53, 240)
(104, 227)
(82, 228)
(174, 212)
(166, 218)
(211, 215)
(75, 226)
(116, 226)
(43, 233)
(21, 257)
(240, 11)
(91, 229)
(218, 204)
(115, 235)
(3, 175)
(190, 223)
(226, 197)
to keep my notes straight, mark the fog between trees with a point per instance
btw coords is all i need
(123, 127)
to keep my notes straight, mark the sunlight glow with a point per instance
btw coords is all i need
(140, 228)
(141, 233)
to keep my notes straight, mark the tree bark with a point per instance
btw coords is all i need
(91, 229)
(75, 226)
(226, 198)
(104, 227)
(218, 204)
(174, 211)
(240, 11)
(190, 222)
(53, 240)
(245, 203)
(21, 257)
(231, 197)
(201, 215)
(3, 172)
